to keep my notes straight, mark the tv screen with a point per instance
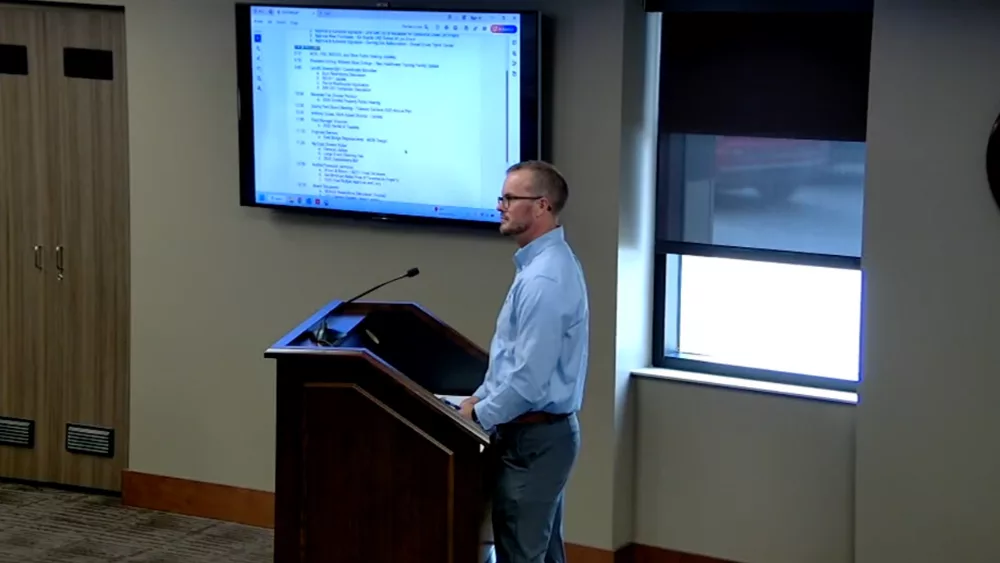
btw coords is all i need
(392, 114)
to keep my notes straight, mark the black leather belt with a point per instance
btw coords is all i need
(538, 417)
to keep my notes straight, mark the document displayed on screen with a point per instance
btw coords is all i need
(397, 112)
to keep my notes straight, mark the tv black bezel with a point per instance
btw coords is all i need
(531, 107)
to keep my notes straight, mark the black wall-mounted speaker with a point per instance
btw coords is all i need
(993, 160)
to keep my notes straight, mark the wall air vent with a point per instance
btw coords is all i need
(90, 440)
(17, 432)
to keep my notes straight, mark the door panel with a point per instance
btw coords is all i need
(23, 245)
(89, 183)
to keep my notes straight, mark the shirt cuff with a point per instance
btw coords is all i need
(476, 415)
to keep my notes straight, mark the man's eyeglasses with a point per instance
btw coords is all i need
(505, 200)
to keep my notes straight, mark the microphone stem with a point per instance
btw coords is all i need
(379, 286)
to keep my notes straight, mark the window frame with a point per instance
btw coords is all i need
(667, 279)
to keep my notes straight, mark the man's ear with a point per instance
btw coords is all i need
(545, 205)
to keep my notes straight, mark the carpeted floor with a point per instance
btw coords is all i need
(43, 525)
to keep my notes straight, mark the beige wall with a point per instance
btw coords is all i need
(747, 476)
(743, 476)
(215, 284)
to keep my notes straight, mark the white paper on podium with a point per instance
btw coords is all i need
(453, 400)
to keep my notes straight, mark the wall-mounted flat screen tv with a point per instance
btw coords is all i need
(410, 115)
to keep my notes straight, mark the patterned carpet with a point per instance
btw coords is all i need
(43, 525)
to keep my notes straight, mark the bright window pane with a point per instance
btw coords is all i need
(775, 194)
(798, 319)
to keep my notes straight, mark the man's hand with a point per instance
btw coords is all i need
(465, 409)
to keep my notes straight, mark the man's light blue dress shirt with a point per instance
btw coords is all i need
(538, 357)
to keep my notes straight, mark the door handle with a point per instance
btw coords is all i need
(59, 261)
(38, 257)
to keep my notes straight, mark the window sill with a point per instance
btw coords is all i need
(784, 389)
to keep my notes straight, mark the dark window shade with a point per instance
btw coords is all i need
(780, 75)
(92, 64)
(14, 59)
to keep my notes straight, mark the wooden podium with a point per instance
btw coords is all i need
(373, 467)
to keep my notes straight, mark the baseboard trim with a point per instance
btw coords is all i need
(197, 498)
(634, 553)
(256, 508)
(637, 553)
(576, 553)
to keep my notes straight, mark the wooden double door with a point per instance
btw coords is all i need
(64, 245)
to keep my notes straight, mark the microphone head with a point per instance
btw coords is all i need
(412, 272)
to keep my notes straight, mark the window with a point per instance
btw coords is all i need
(760, 196)
(796, 319)
(766, 194)
(759, 257)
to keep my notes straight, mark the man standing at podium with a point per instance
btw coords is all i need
(537, 370)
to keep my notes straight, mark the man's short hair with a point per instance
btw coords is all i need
(547, 181)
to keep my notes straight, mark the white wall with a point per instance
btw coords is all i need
(928, 461)
(215, 284)
(637, 195)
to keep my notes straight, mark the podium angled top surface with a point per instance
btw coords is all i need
(398, 342)
(298, 336)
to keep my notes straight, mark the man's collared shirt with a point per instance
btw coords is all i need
(539, 353)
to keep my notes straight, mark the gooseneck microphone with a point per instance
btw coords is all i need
(411, 273)
(323, 333)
